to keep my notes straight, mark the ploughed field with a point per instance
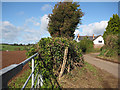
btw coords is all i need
(12, 57)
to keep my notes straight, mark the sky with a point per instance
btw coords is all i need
(26, 22)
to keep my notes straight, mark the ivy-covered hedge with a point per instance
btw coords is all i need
(51, 52)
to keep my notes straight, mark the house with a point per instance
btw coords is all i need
(98, 41)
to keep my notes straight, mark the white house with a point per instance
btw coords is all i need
(97, 40)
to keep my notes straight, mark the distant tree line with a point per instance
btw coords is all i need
(15, 44)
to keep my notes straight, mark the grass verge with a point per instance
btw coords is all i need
(19, 81)
(111, 59)
(87, 76)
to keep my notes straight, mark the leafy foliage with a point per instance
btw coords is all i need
(85, 45)
(113, 26)
(111, 48)
(108, 52)
(112, 41)
(111, 37)
(64, 20)
(51, 51)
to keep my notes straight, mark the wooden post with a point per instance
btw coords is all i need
(64, 62)
(69, 64)
(68, 68)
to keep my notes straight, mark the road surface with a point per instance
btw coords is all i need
(110, 67)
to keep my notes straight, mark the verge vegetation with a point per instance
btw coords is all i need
(86, 45)
(88, 76)
(51, 51)
(111, 49)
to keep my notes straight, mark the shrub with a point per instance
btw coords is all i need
(119, 44)
(112, 41)
(111, 47)
(85, 45)
(51, 51)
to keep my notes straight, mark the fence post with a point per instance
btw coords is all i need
(32, 71)
(64, 62)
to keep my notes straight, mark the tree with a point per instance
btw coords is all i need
(86, 45)
(112, 34)
(64, 19)
(113, 26)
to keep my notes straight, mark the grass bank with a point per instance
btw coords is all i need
(87, 76)
(19, 81)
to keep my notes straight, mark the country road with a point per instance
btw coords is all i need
(110, 67)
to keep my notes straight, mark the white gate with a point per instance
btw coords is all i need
(7, 73)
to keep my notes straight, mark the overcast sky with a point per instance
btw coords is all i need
(26, 22)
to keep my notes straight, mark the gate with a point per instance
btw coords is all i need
(7, 73)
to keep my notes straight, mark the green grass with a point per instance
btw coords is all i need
(93, 50)
(11, 48)
(91, 68)
(82, 71)
(19, 81)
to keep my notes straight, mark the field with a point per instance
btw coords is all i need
(11, 47)
(13, 57)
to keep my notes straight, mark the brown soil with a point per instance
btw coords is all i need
(14, 57)
(86, 79)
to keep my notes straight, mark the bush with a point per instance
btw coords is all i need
(85, 45)
(108, 52)
(112, 41)
(119, 44)
(111, 47)
(51, 51)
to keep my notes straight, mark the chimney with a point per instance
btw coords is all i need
(78, 36)
(93, 36)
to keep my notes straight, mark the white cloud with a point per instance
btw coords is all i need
(33, 20)
(32, 31)
(31, 34)
(44, 24)
(31, 37)
(46, 7)
(96, 28)
(10, 32)
(34, 35)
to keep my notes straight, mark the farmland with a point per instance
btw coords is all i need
(4, 47)
(12, 57)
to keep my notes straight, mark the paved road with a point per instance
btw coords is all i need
(110, 67)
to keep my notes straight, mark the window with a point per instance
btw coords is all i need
(99, 41)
